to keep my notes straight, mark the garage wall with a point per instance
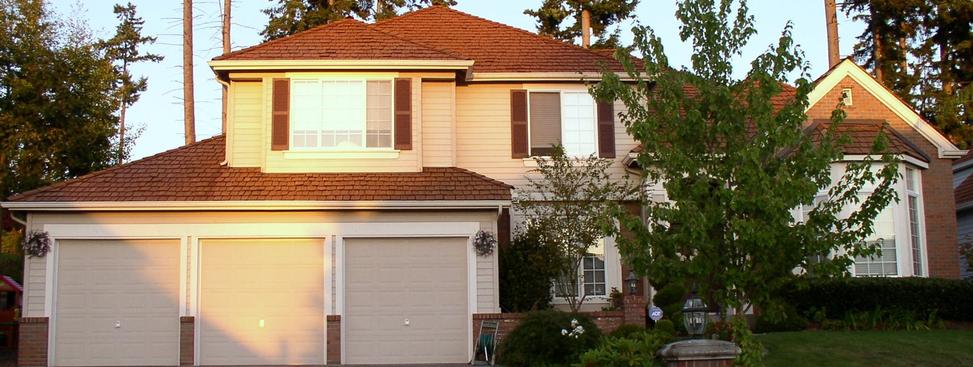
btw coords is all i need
(35, 277)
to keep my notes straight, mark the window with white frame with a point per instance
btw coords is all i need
(915, 232)
(593, 280)
(805, 216)
(562, 117)
(883, 263)
(341, 114)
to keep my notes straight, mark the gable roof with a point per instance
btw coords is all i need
(848, 68)
(432, 33)
(862, 134)
(193, 173)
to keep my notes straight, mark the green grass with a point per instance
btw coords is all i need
(869, 348)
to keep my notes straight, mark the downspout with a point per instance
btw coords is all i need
(22, 222)
(226, 87)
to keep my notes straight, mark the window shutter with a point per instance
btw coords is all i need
(606, 130)
(280, 119)
(518, 123)
(403, 114)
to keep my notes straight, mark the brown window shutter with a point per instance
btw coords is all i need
(403, 114)
(606, 130)
(280, 119)
(518, 123)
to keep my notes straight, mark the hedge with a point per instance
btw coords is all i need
(949, 299)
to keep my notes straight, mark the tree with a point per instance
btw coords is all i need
(568, 203)
(734, 167)
(553, 13)
(57, 99)
(123, 50)
(226, 24)
(188, 98)
(292, 16)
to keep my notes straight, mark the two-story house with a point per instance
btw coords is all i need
(333, 221)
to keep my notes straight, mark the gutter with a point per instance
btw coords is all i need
(329, 64)
(255, 205)
(542, 76)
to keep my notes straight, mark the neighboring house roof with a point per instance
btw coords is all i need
(11, 283)
(194, 173)
(964, 192)
(433, 33)
(346, 39)
(862, 134)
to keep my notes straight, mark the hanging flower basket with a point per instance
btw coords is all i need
(37, 243)
(484, 242)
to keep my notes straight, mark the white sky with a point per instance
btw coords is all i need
(159, 110)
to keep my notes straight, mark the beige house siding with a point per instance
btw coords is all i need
(486, 273)
(246, 132)
(438, 127)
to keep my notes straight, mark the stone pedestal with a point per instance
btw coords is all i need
(634, 308)
(699, 353)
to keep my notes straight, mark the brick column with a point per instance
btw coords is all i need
(33, 342)
(187, 340)
(334, 339)
(634, 308)
(699, 353)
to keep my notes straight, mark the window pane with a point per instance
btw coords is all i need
(916, 241)
(910, 179)
(378, 117)
(578, 123)
(343, 107)
(305, 113)
(882, 264)
(545, 122)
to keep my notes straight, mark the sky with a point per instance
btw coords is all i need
(159, 111)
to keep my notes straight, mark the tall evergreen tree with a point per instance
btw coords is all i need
(123, 50)
(552, 15)
(291, 16)
(57, 99)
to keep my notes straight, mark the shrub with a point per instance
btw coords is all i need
(526, 271)
(626, 330)
(665, 326)
(880, 319)
(671, 298)
(835, 298)
(539, 340)
(637, 349)
(790, 320)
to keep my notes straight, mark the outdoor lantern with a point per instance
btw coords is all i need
(694, 315)
(633, 282)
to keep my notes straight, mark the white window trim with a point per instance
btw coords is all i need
(342, 152)
(920, 222)
(613, 277)
(529, 161)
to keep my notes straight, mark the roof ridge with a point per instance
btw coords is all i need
(97, 173)
(289, 36)
(495, 23)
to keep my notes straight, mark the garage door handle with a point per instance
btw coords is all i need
(118, 324)
(407, 322)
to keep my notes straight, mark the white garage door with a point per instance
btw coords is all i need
(406, 301)
(117, 303)
(262, 302)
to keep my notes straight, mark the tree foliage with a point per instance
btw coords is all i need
(291, 16)
(552, 14)
(734, 167)
(923, 51)
(569, 202)
(57, 99)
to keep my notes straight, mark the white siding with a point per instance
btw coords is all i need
(438, 134)
(246, 131)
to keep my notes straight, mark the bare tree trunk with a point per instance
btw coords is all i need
(831, 18)
(944, 73)
(226, 50)
(188, 100)
(878, 58)
(121, 133)
(585, 28)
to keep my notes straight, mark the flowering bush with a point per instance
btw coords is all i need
(544, 339)
(635, 349)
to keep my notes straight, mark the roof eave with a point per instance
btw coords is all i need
(331, 64)
(249, 205)
(542, 76)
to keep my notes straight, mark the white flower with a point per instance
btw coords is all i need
(574, 322)
(564, 332)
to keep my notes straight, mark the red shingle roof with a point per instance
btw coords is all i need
(964, 192)
(862, 134)
(194, 173)
(433, 33)
(346, 39)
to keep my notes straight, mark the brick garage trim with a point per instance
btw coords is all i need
(187, 339)
(334, 339)
(32, 349)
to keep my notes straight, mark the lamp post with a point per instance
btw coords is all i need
(633, 282)
(694, 315)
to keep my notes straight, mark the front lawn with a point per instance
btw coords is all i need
(869, 348)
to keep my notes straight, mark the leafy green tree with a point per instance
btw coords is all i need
(552, 14)
(123, 50)
(568, 202)
(57, 99)
(734, 167)
(291, 16)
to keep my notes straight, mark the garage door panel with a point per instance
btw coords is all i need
(262, 302)
(134, 283)
(389, 280)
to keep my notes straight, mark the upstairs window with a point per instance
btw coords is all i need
(341, 114)
(562, 117)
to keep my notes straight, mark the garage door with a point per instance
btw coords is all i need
(117, 303)
(262, 302)
(406, 301)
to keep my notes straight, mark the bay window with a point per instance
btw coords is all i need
(341, 114)
(915, 234)
(885, 262)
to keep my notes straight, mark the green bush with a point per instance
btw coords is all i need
(626, 330)
(637, 349)
(665, 326)
(670, 298)
(540, 341)
(526, 271)
(921, 297)
(790, 320)
(880, 319)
